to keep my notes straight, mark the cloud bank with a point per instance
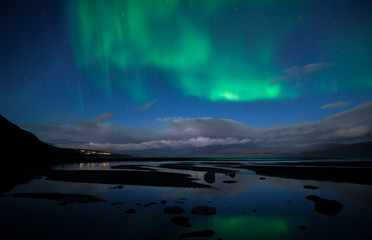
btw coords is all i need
(353, 125)
(340, 104)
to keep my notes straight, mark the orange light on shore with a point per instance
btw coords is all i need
(87, 152)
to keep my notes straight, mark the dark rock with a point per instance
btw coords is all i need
(203, 233)
(229, 181)
(163, 202)
(210, 176)
(204, 210)
(118, 187)
(131, 211)
(254, 210)
(325, 206)
(302, 228)
(262, 178)
(181, 221)
(173, 210)
(310, 187)
(232, 174)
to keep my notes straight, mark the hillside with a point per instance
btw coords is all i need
(23, 149)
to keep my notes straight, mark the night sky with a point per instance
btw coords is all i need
(175, 75)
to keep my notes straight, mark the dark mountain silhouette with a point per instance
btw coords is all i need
(22, 149)
(22, 153)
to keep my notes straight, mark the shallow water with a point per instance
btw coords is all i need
(250, 208)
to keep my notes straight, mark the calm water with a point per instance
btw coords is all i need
(250, 208)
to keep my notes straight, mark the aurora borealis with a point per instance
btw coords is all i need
(214, 50)
(134, 74)
(175, 37)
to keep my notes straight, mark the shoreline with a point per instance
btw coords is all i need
(353, 171)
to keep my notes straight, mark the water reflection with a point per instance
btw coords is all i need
(248, 227)
(250, 208)
(94, 165)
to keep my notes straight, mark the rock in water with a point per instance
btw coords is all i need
(232, 174)
(203, 233)
(301, 228)
(173, 210)
(210, 177)
(229, 181)
(325, 206)
(131, 211)
(204, 210)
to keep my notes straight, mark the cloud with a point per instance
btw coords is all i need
(352, 125)
(179, 128)
(361, 114)
(98, 130)
(296, 73)
(147, 105)
(340, 104)
(197, 142)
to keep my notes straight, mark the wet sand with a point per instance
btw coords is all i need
(133, 167)
(142, 178)
(360, 175)
(192, 167)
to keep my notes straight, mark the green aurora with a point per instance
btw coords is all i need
(210, 49)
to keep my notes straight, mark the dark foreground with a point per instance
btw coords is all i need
(199, 199)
